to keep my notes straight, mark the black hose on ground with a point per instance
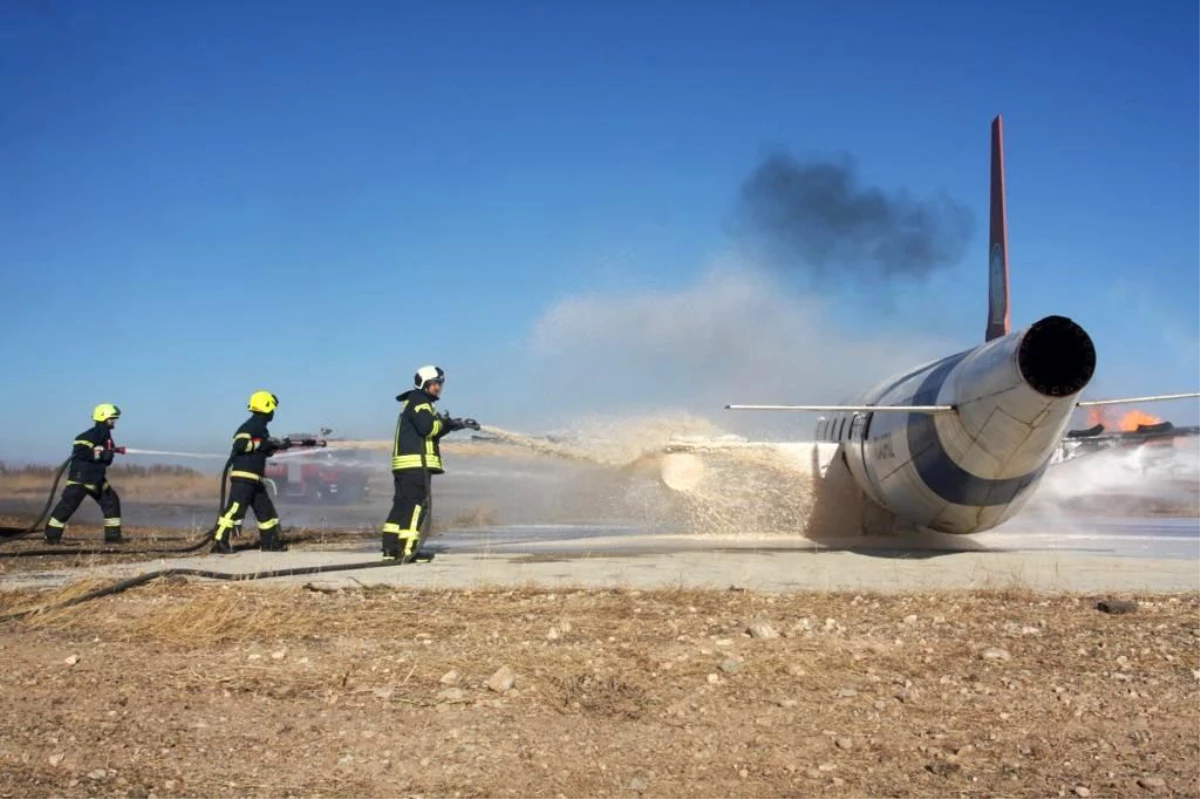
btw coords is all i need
(13, 533)
(142, 579)
(182, 550)
(38, 553)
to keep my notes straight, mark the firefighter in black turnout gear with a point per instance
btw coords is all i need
(252, 445)
(416, 456)
(90, 459)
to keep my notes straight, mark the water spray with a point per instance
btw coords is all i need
(285, 444)
(541, 446)
(133, 451)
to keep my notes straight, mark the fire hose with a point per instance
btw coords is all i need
(204, 539)
(13, 533)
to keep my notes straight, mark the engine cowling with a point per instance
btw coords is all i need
(969, 469)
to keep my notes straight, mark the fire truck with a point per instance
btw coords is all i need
(331, 475)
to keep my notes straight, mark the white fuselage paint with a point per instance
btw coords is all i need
(962, 471)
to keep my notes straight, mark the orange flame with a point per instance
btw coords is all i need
(1127, 422)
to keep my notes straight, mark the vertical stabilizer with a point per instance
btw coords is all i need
(998, 315)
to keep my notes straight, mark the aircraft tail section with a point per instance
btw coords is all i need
(999, 319)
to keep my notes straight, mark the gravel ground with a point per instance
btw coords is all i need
(185, 689)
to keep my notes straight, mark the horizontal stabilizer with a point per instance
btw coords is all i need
(1126, 400)
(1095, 430)
(846, 408)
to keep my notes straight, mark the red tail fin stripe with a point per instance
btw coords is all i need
(999, 318)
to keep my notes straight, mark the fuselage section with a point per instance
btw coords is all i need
(968, 469)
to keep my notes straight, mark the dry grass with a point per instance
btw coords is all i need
(617, 693)
(41, 602)
(152, 487)
(226, 616)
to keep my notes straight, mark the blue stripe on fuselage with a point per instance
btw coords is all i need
(935, 466)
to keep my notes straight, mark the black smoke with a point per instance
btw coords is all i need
(816, 217)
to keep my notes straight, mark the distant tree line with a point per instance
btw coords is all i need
(117, 470)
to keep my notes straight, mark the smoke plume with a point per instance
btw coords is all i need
(816, 218)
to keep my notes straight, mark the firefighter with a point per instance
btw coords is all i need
(252, 445)
(90, 459)
(416, 455)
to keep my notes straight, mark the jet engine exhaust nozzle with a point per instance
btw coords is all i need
(1056, 357)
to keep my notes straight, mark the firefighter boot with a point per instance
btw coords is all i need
(54, 530)
(391, 546)
(112, 535)
(270, 541)
(221, 546)
(410, 540)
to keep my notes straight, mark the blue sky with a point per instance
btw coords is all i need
(205, 199)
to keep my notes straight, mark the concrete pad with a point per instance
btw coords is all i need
(754, 569)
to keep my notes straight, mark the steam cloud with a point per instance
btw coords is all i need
(1148, 481)
(816, 217)
(733, 336)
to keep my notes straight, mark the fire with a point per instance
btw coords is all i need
(1131, 420)
(1126, 422)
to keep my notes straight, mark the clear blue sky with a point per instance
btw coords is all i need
(203, 199)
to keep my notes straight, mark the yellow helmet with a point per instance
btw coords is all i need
(106, 411)
(263, 402)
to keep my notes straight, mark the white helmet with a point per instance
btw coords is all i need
(428, 374)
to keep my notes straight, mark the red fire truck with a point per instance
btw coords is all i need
(331, 475)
